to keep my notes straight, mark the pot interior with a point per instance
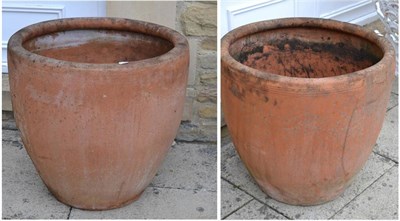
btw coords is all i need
(98, 46)
(305, 52)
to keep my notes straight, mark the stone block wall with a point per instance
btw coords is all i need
(198, 22)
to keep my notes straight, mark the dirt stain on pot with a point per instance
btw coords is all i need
(239, 93)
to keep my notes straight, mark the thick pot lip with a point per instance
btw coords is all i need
(303, 22)
(15, 44)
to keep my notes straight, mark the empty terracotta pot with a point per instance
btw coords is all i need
(304, 101)
(98, 102)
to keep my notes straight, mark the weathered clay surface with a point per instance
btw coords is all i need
(304, 101)
(92, 127)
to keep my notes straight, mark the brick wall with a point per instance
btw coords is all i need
(198, 22)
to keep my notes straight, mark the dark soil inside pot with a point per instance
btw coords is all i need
(305, 53)
(98, 46)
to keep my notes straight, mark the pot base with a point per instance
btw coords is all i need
(300, 202)
(100, 208)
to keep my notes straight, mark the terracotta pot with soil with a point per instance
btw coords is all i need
(304, 101)
(98, 102)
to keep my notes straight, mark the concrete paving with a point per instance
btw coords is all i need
(185, 187)
(380, 196)
(373, 193)
(233, 197)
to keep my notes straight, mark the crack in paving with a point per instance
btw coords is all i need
(16, 143)
(277, 211)
(360, 193)
(386, 157)
(392, 108)
(234, 211)
(9, 125)
(195, 142)
(183, 188)
(9, 128)
(70, 210)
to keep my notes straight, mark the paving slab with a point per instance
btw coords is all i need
(382, 196)
(388, 141)
(24, 194)
(393, 101)
(12, 136)
(8, 124)
(160, 203)
(256, 210)
(234, 171)
(395, 86)
(225, 136)
(232, 198)
(189, 166)
(227, 152)
(185, 187)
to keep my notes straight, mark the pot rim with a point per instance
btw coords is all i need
(180, 48)
(304, 22)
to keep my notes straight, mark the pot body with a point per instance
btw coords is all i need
(303, 139)
(97, 133)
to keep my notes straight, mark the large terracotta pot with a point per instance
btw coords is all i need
(98, 102)
(304, 101)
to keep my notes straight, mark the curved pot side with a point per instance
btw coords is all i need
(98, 133)
(303, 140)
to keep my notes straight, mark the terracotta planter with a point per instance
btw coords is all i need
(97, 130)
(304, 101)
